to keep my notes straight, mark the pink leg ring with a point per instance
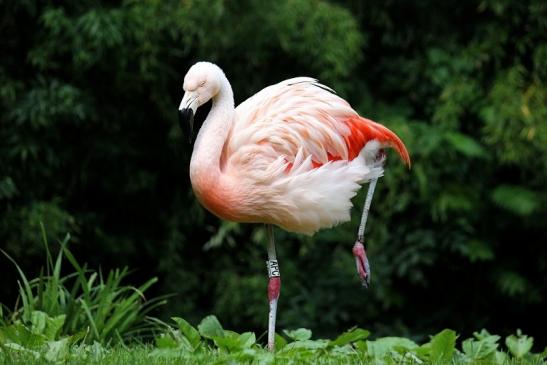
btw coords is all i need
(274, 287)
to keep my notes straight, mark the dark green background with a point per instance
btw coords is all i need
(89, 144)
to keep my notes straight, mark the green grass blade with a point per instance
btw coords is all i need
(49, 259)
(25, 291)
(91, 321)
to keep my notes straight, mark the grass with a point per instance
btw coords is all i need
(84, 299)
(209, 343)
(85, 317)
(147, 355)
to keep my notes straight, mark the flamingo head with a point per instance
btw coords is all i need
(201, 84)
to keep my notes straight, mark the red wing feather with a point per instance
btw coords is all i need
(364, 130)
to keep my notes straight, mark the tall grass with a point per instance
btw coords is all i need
(101, 307)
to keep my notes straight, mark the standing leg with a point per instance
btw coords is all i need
(361, 260)
(274, 286)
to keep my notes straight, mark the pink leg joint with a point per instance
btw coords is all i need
(361, 261)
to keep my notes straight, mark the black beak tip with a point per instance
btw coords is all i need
(186, 122)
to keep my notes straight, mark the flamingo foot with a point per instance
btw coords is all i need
(361, 261)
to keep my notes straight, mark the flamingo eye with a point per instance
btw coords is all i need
(202, 83)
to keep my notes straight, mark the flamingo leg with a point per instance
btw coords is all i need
(361, 260)
(274, 286)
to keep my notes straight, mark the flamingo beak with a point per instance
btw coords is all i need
(186, 122)
(187, 110)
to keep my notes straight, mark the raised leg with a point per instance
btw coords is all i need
(274, 286)
(361, 260)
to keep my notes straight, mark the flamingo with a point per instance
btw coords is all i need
(293, 155)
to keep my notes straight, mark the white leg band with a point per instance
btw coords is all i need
(273, 269)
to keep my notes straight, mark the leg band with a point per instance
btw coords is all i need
(273, 269)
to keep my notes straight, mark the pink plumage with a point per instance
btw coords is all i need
(292, 155)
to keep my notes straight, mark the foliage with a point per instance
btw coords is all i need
(89, 145)
(55, 325)
(85, 303)
(211, 343)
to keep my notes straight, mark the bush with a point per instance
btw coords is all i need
(84, 303)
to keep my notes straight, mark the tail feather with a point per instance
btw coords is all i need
(364, 130)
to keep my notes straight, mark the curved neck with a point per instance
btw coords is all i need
(213, 133)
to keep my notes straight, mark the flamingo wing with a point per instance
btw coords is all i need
(291, 156)
(300, 119)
